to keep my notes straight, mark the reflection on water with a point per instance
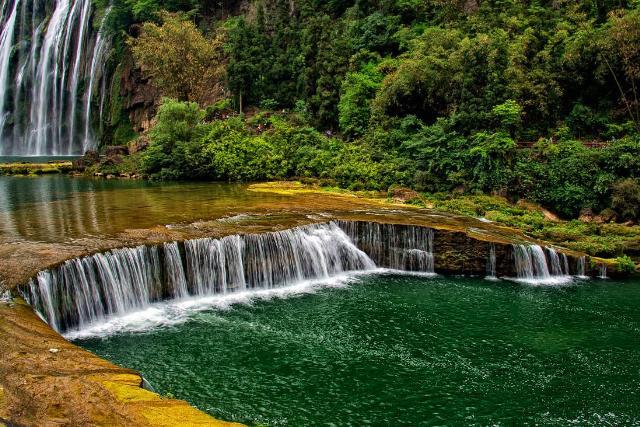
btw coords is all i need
(55, 208)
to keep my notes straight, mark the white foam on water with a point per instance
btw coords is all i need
(178, 311)
(547, 281)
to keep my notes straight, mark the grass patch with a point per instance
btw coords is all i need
(602, 240)
(35, 168)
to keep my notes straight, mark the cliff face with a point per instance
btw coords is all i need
(140, 98)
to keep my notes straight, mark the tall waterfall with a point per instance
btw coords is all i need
(51, 67)
(401, 247)
(87, 290)
(531, 264)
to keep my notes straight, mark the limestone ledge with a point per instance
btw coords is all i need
(46, 380)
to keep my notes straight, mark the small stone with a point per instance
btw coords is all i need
(53, 350)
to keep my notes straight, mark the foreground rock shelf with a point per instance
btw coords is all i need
(45, 380)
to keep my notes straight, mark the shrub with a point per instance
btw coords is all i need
(626, 198)
(625, 264)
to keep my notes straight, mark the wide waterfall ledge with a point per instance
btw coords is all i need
(150, 285)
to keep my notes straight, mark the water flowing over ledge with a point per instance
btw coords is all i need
(149, 282)
(87, 290)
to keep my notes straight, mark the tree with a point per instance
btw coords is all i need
(621, 53)
(354, 109)
(181, 62)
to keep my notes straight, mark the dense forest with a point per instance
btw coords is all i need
(527, 99)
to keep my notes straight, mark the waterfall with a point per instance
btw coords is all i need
(51, 63)
(87, 290)
(581, 268)
(531, 265)
(400, 247)
(556, 268)
(491, 263)
(565, 265)
(602, 271)
(6, 48)
(176, 278)
(96, 72)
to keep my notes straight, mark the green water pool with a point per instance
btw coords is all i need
(390, 349)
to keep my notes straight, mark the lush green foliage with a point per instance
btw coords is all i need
(181, 62)
(626, 198)
(185, 146)
(600, 239)
(625, 264)
(467, 96)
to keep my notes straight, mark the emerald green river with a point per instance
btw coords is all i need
(388, 349)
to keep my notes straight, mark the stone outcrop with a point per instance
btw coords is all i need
(140, 97)
(46, 380)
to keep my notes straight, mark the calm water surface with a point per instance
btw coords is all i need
(57, 208)
(404, 350)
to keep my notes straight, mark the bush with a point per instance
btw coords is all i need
(625, 264)
(625, 199)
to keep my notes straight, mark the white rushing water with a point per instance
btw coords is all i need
(532, 267)
(581, 268)
(602, 271)
(51, 66)
(565, 265)
(137, 288)
(491, 263)
(85, 292)
(399, 247)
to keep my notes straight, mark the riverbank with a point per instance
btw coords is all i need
(46, 380)
(595, 236)
(37, 168)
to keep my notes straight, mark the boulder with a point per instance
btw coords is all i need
(403, 194)
(116, 150)
(586, 215)
(607, 215)
(90, 158)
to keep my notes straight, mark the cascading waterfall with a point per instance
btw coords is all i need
(565, 265)
(97, 72)
(602, 271)
(87, 290)
(556, 268)
(531, 262)
(175, 275)
(400, 247)
(95, 290)
(491, 263)
(51, 66)
(531, 265)
(581, 268)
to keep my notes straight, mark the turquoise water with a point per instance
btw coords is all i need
(404, 350)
